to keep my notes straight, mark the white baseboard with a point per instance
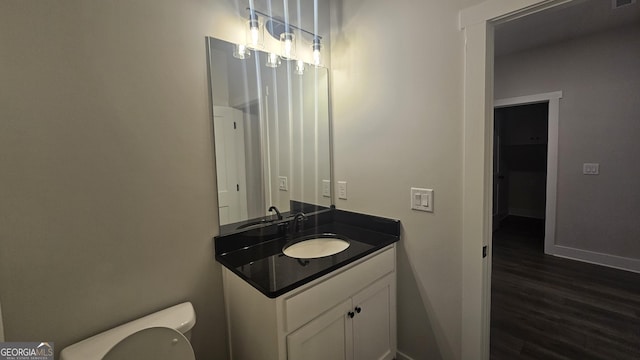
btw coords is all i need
(401, 356)
(613, 261)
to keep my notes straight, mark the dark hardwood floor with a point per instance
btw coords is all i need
(545, 307)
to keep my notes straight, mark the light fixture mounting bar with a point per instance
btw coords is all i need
(251, 11)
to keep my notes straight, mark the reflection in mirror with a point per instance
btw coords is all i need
(271, 133)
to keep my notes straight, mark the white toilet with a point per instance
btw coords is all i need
(163, 335)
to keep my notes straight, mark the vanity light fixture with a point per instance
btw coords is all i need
(288, 43)
(317, 56)
(284, 32)
(255, 35)
(300, 67)
(273, 60)
(241, 52)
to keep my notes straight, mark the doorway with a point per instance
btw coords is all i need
(520, 168)
(525, 154)
(478, 22)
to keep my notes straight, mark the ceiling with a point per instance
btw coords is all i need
(562, 23)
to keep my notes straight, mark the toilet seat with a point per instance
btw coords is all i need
(156, 343)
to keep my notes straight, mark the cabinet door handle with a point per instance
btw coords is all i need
(351, 314)
(358, 309)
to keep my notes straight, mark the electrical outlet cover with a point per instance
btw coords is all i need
(342, 190)
(422, 199)
(326, 188)
(591, 169)
(282, 183)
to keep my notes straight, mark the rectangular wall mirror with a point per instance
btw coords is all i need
(271, 133)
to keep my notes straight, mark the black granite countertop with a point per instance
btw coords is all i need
(256, 255)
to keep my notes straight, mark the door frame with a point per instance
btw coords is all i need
(498, 175)
(553, 116)
(477, 23)
(1, 326)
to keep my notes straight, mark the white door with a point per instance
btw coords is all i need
(326, 337)
(374, 322)
(230, 164)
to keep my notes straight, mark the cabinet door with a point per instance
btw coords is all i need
(374, 322)
(326, 337)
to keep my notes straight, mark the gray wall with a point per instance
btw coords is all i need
(599, 112)
(107, 202)
(397, 76)
(107, 196)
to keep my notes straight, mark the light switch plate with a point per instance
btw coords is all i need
(591, 169)
(342, 190)
(422, 199)
(282, 183)
(326, 188)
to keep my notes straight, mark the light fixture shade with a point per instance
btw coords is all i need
(255, 32)
(300, 67)
(317, 55)
(241, 52)
(288, 43)
(273, 60)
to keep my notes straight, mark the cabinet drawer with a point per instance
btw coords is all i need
(300, 308)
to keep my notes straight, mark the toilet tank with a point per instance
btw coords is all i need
(180, 317)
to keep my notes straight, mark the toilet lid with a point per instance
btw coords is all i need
(158, 343)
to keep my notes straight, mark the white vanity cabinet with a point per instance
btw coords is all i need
(363, 334)
(348, 314)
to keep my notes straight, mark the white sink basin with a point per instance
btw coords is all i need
(316, 247)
